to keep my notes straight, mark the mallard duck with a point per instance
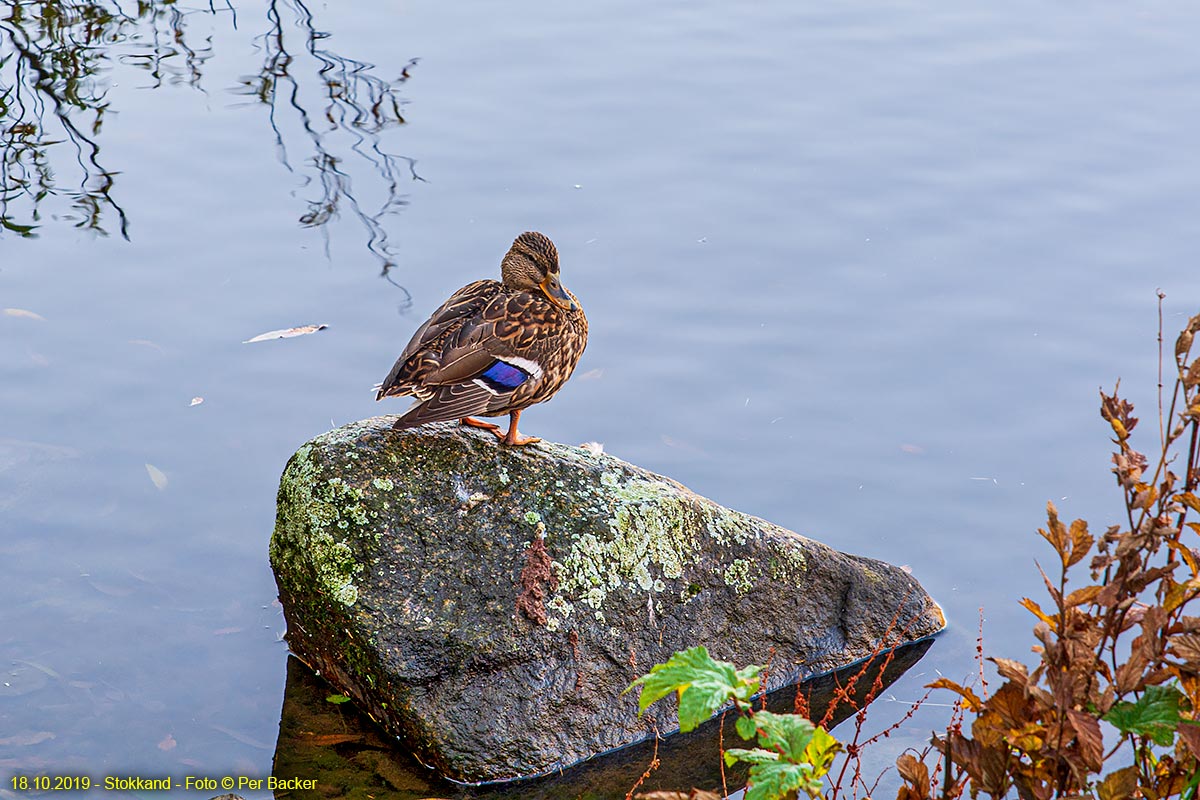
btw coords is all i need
(495, 347)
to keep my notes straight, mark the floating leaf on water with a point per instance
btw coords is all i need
(27, 738)
(40, 667)
(337, 699)
(286, 333)
(158, 476)
(196, 401)
(23, 313)
(686, 447)
(110, 589)
(168, 743)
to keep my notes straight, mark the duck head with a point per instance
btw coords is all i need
(531, 264)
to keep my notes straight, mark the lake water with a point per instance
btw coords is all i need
(858, 269)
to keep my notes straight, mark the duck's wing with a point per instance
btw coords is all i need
(425, 351)
(480, 369)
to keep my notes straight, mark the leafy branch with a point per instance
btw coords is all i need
(792, 755)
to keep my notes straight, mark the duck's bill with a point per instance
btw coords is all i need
(557, 294)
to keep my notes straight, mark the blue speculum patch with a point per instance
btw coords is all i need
(503, 376)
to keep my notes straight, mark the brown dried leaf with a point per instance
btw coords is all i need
(1190, 733)
(914, 772)
(1183, 344)
(1051, 589)
(1180, 593)
(1055, 532)
(1129, 675)
(1193, 374)
(1110, 595)
(1119, 785)
(1086, 594)
(1081, 542)
(971, 700)
(1100, 563)
(1087, 734)
(1187, 498)
(1114, 408)
(1130, 544)
(1011, 670)
(1186, 646)
(991, 729)
(1016, 707)
(1187, 554)
(1145, 496)
(1037, 611)
(1129, 468)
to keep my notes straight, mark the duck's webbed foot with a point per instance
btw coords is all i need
(512, 438)
(471, 422)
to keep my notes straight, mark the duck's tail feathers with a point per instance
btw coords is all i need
(446, 403)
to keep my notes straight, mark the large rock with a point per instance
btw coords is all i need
(488, 605)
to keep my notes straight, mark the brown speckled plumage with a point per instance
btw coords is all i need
(495, 347)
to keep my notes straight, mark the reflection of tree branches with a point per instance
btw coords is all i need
(352, 102)
(52, 61)
(169, 58)
(53, 90)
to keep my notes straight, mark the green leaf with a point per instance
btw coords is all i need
(746, 727)
(755, 756)
(792, 755)
(821, 751)
(787, 734)
(1155, 714)
(337, 699)
(775, 780)
(703, 685)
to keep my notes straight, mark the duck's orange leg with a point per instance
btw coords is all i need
(487, 426)
(513, 438)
